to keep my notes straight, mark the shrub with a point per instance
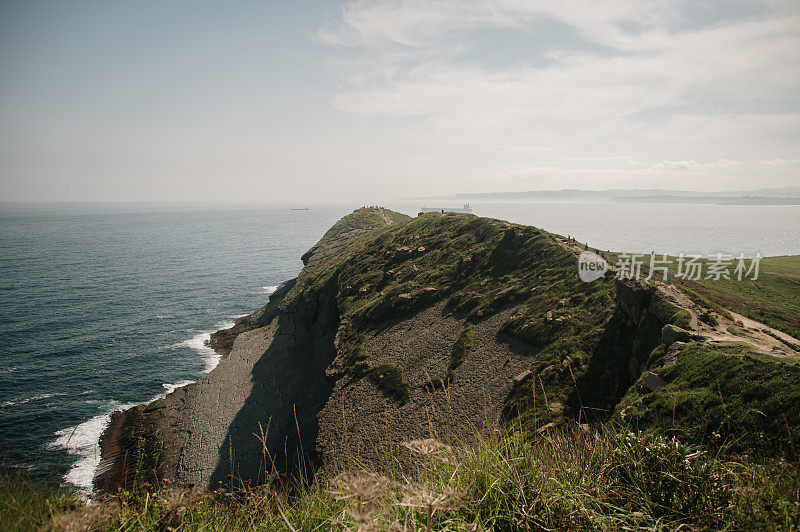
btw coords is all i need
(460, 350)
(389, 378)
(707, 317)
(682, 319)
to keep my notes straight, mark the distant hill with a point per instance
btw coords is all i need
(781, 192)
(710, 200)
(764, 196)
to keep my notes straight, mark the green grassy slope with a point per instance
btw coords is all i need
(587, 354)
(716, 394)
(479, 267)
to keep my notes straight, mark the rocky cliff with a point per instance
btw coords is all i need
(447, 325)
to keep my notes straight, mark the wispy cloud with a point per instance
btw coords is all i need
(692, 165)
(669, 84)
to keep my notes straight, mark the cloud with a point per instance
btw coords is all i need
(423, 22)
(694, 165)
(678, 165)
(411, 23)
(650, 82)
(780, 162)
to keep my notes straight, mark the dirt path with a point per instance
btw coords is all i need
(758, 336)
(575, 247)
(386, 219)
(739, 330)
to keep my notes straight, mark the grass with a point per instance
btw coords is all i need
(738, 332)
(478, 266)
(342, 240)
(26, 503)
(774, 298)
(584, 357)
(564, 480)
(460, 350)
(716, 394)
(671, 466)
(390, 380)
(706, 303)
(359, 221)
(791, 345)
(682, 319)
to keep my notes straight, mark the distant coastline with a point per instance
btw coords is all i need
(710, 200)
(766, 196)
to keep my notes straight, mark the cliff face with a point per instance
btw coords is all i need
(398, 328)
(271, 379)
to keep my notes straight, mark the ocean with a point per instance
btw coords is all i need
(108, 306)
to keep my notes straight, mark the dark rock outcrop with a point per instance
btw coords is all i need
(271, 379)
(634, 299)
(671, 334)
(222, 340)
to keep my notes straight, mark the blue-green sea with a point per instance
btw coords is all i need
(103, 307)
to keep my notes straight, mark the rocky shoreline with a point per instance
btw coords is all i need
(203, 432)
(158, 433)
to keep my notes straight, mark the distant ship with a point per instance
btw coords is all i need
(299, 208)
(465, 208)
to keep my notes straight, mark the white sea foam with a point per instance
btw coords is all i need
(172, 387)
(82, 443)
(268, 289)
(199, 343)
(24, 400)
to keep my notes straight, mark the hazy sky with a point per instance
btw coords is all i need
(367, 100)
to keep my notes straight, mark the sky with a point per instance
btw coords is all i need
(367, 100)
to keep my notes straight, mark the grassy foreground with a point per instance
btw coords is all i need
(555, 480)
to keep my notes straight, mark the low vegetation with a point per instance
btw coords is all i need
(682, 319)
(558, 480)
(478, 266)
(389, 379)
(460, 351)
(723, 394)
(791, 345)
(27, 503)
(705, 303)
